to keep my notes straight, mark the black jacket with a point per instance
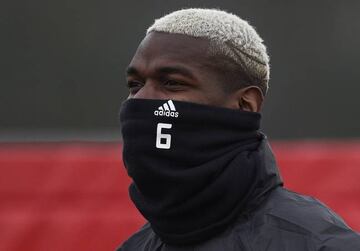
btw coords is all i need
(279, 220)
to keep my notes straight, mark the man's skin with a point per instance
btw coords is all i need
(178, 67)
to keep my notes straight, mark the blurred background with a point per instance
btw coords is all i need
(62, 183)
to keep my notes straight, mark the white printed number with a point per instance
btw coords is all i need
(163, 140)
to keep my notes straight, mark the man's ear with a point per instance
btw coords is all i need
(250, 98)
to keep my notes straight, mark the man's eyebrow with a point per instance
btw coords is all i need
(131, 71)
(176, 70)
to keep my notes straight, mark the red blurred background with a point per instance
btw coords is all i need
(73, 196)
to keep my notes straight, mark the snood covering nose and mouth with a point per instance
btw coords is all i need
(193, 166)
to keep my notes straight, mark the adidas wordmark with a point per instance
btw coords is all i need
(167, 109)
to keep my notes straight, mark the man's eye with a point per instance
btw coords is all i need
(134, 86)
(172, 83)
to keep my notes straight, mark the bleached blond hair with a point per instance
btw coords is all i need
(229, 35)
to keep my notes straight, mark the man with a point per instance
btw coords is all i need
(203, 175)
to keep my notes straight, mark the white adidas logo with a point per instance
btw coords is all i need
(167, 109)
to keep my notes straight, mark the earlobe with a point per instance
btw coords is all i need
(250, 99)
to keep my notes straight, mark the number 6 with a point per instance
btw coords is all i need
(160, 136)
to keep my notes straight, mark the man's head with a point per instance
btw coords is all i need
(203, 56)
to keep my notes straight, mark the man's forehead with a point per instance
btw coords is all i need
(159, 50)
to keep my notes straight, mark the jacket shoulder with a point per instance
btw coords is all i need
(304, 211)
(144, 239)
(307, 216)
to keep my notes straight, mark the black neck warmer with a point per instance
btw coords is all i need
(195, 168)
